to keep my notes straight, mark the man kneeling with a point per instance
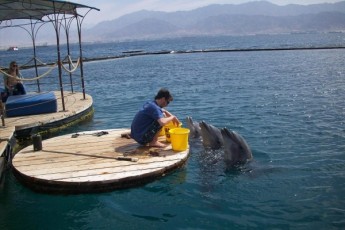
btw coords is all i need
(151, 118)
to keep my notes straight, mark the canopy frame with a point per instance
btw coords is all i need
(21, 13)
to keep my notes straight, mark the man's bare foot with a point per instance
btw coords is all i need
(126, 135)
(157, 144)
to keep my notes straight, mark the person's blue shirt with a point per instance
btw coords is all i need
(142, 121)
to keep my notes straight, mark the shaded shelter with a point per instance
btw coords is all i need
(30, 15)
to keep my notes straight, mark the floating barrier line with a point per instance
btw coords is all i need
(34, 58)
(187, 52)
(209, 51)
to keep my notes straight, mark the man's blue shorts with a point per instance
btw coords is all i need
(154, 128)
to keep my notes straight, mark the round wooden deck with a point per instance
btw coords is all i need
(93, 161)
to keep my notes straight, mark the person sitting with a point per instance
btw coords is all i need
(12, 83)
(151, 118)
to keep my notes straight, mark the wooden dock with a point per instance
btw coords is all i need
(93, 161)
(75, 106)
(6, 137)
(75, 109)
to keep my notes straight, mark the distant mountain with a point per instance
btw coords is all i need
(144, 28)
(258, 17)
(249, 18)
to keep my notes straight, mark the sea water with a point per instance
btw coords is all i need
(288, 105)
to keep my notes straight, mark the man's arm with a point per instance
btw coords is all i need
(168, 118)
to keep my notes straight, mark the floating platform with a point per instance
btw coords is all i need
(77, 109)
(93, 161)
(20, 128)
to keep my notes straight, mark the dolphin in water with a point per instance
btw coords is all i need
(194, 127)
(211, 136)
(236, 149)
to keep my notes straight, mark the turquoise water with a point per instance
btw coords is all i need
(288, 105)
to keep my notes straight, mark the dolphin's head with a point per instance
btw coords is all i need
(211, 136)
(236, 149)
(193, 127)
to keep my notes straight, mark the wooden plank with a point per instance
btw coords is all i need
(112, 171)
(90, 160)
(87, 165)
(6, 134)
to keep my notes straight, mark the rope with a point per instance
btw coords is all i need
(29, 79)
(71, 62)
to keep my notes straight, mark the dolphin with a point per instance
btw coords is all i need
(236, 149)
(211, 136)
(193, 127)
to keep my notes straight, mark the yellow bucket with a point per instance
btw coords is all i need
(169, 126)
(179, 138)
(162, 132)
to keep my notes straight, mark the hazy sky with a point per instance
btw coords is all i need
(111, 9)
